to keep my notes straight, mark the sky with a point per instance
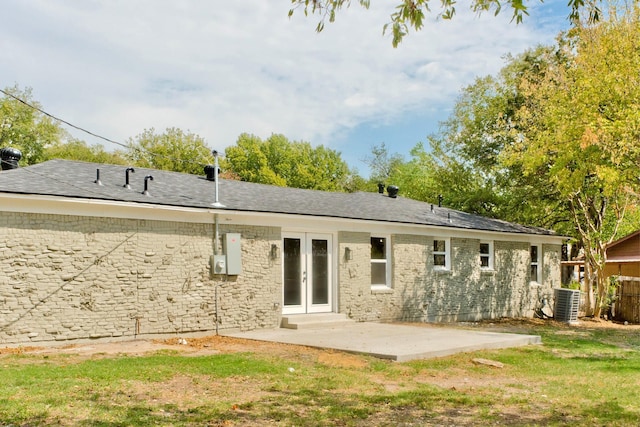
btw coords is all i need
(222, 68)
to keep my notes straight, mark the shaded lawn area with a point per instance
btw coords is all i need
(583, 375)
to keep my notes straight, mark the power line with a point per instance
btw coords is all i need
(81, 129)
(62, 120)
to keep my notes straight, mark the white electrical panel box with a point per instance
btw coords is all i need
(231, 245)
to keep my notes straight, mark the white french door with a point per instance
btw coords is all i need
(306, 273)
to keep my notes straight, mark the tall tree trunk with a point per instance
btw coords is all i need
(599, 263)
(588, 289)
(589, 216)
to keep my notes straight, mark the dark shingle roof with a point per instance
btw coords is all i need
(73, 179)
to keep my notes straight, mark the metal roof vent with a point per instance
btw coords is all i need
(380, 188)
(9, 158)
(392, 190)
(210, 172)
(146, 185)
(97, 181)
(126, 177)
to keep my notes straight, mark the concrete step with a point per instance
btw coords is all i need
(314, 320)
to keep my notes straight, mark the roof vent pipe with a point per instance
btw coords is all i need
(9, 158)
(216, 203)
(440, 198)
(97, 181)
(146, 185)
(126, 178)
(380, 188)
(393, 191)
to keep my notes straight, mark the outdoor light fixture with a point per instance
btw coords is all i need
(348, 254)
(274, 253)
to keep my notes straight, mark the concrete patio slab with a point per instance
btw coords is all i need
(392, 341)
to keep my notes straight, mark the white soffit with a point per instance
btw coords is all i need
(290, 222)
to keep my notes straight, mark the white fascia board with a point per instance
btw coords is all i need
(101, 208)
(289, 222)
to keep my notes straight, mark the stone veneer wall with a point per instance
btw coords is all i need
(465, 293)
(354, 283)
(72, 277)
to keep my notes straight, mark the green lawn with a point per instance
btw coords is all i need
(580, 376)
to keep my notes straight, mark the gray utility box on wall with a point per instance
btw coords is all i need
(230, 261)
(567, 305)
(233, 250)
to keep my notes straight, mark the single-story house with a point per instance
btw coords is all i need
(104, 251)
(623, 256)
(623, 259)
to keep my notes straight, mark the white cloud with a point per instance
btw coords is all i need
(222, 68)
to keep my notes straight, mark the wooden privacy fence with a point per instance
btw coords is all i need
(627, 305)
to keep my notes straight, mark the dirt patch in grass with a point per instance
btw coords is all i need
(220, 344)
(19, 350)
(342, 360)
(463, 394)
(184, 391)
(525, 325)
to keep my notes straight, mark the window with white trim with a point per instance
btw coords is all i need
(441, 254)
(486, 255)
(535, 263)
(380, 266)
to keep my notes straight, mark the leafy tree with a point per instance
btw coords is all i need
(583, 131)
(433, 178)
(443, 178)
(463, 165)
(76, 149)
(382, 164)
(470, 146)
(24, 127)
(355, 182)
(173, 150)
(411, 13)
(278, 161)
(631, 220)
(551, 141)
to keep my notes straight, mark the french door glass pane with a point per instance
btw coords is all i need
(292, 272)
(320, 266)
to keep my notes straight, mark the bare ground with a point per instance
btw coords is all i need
(214, 344)
(185, 391)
